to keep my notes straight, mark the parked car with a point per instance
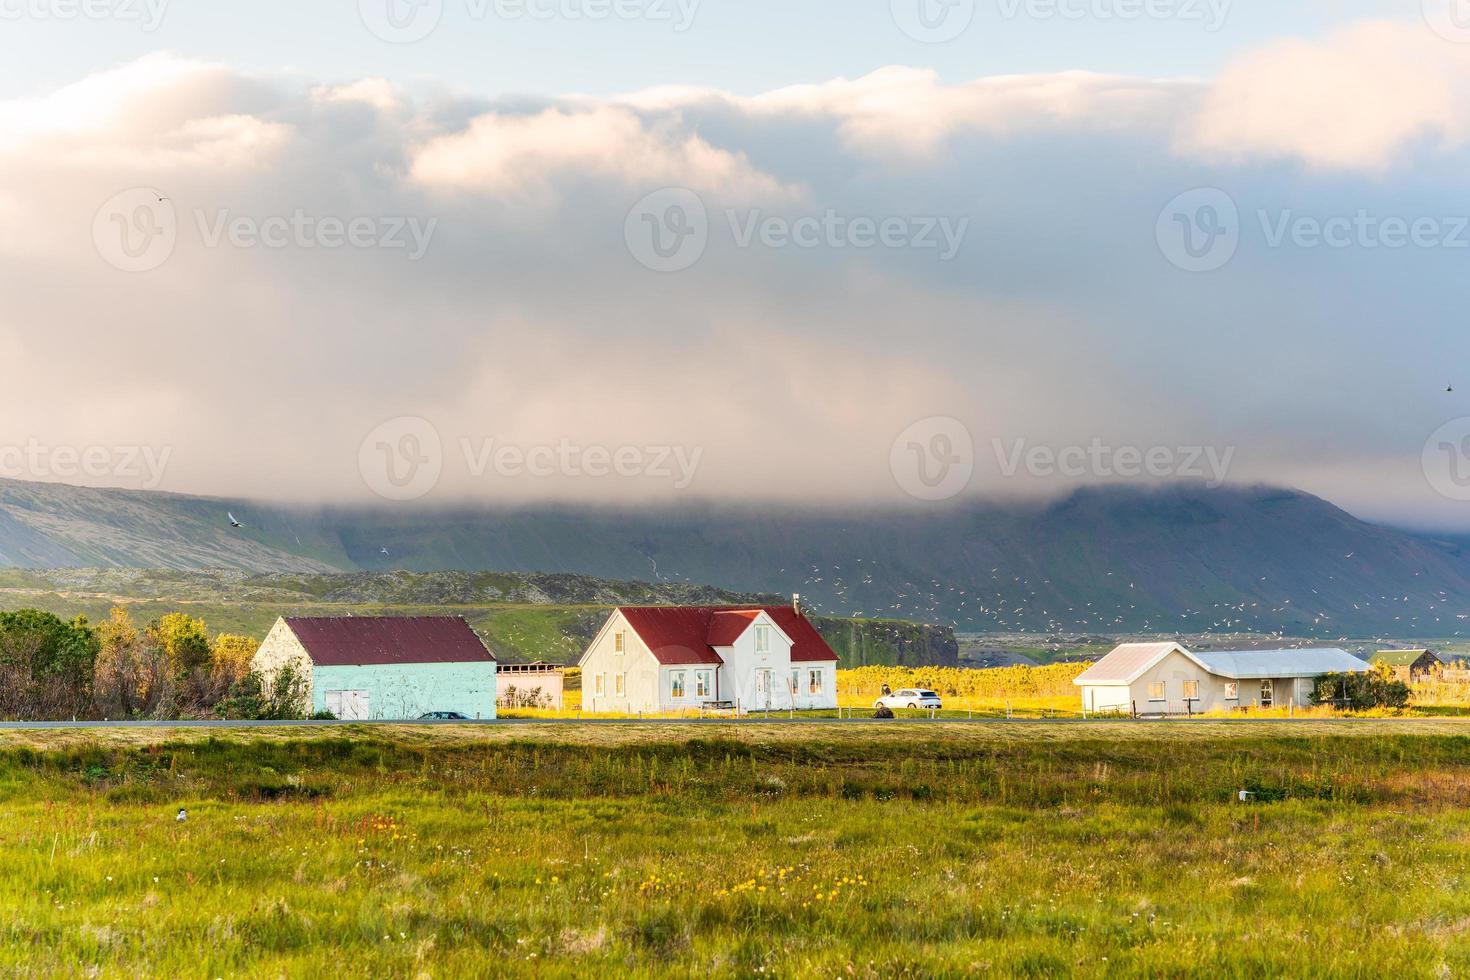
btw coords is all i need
(910, 697)
(443, 716)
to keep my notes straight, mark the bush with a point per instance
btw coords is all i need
(883, 712)
(1362, 692)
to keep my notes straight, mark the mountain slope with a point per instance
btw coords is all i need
(1182, 559)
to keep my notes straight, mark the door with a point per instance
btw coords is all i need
(763, 687)
(1268, 693)
(349, 705)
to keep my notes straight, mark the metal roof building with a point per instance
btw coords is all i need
(1168, 678)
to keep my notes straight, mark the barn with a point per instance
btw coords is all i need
(363, 668)
(1407, 665)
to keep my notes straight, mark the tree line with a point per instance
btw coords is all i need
(169, 668)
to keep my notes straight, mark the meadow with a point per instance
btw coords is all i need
(862, 849)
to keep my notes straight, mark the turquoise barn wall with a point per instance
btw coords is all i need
(398, 691)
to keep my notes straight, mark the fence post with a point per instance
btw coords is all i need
(1135, 709)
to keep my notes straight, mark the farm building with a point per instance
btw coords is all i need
(667, 658)
(1166, 678)
(1407, 665)
(536, 685)
(362, 668)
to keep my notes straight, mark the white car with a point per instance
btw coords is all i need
(910, 697)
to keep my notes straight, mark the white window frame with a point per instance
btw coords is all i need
(678, 683)
(762, 639)
(620, 642)
(1191, 690)
(704, 683)
(1157, 686)
(1232, 690)
(814, 681)
(795, 681)
(620, 684)
(600, 688)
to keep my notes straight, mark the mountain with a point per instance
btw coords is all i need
(1179, 559)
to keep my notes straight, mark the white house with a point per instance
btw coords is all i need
(670, 658)
(1166, 678)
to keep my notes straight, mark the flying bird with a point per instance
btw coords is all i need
(383, 551)
(233, 521)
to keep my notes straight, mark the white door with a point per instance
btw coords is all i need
(763, 687)
(348, 705)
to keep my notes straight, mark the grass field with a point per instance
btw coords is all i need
(740, 850)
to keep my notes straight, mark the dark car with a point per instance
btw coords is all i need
(443, 716)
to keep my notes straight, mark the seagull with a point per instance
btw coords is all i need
(383, 552)
(233, 522)
(183, 815)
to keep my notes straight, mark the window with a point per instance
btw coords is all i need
(1191, 690)
(620, 642)
(1156, 691)
(620, 685)
(703, 684)
(795, 679)
(814, 679)
(601, 684)
(676, 687)
(1232, 691)
(762, 639)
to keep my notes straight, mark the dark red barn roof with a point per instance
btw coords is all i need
(689, 634)
(349, 640)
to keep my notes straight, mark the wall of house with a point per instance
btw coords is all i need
(1172, 672)
(281, 649)
(406, 691)
(637, 665)
(738, 676)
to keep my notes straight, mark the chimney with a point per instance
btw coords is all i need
(796, 602)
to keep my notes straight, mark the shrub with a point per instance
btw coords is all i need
(1362, 692)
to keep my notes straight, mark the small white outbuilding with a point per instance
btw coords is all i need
(1167, 679)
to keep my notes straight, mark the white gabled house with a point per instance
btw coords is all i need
(671, 658)
(1166, 678)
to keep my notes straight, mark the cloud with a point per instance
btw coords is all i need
(1364, 97)
(526, 156)
(530, 320)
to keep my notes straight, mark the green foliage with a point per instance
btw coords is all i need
(184, 641)
(256, 698)
(1363, 692)
(54, 648)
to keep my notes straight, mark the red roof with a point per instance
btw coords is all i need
(689, 634)
(350, 640)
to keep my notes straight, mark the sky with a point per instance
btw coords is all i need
(899, 252)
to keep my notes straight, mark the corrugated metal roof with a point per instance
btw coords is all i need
(1255, 664)
(363, 640)
(1126, 662)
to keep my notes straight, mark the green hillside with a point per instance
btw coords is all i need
(523, 617)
